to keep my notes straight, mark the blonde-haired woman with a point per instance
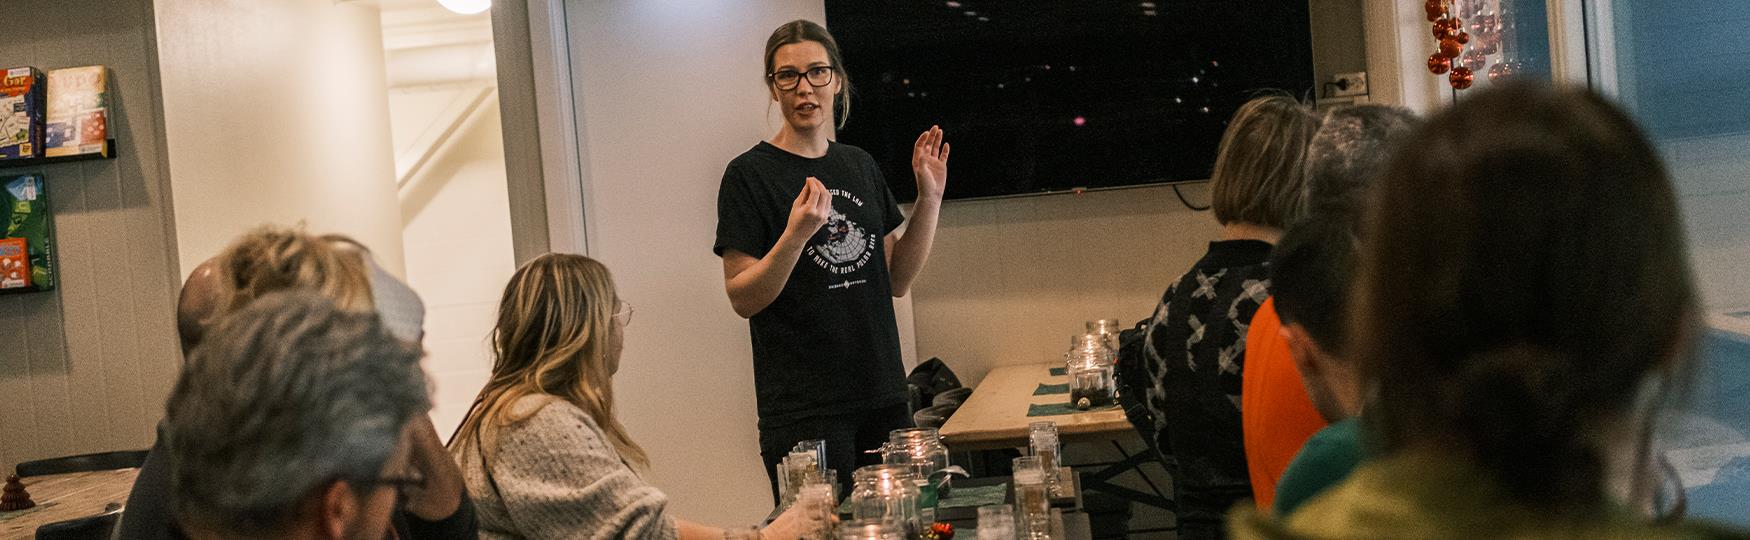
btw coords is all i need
(541, 448)
(1196, 341)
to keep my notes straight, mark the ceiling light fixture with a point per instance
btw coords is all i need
(953, 4)
(466, 7)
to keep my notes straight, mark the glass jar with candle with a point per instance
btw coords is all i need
(1108, 328)
(887, 492)
(920, 448)
(1091, 366)
(871, 529)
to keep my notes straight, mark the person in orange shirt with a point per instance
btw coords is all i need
(1276, 416)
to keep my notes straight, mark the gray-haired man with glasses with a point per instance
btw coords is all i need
(291, 420)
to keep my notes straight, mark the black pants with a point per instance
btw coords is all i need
(847, 436)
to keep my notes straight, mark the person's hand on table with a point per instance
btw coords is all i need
(802, 520)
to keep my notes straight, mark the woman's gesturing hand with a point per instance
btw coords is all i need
(929, 162)
(811, 209)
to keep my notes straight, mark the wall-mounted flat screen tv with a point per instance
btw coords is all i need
(1041, 96)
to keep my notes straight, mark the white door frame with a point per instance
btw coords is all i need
(563, 154)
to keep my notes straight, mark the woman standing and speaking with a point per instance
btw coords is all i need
(806, 229)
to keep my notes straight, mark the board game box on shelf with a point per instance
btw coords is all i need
(25, 206)
(21, 113)
(78, 117)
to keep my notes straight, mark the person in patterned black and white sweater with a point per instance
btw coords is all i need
(1195, 343)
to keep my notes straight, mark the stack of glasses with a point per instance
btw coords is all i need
(805, 467)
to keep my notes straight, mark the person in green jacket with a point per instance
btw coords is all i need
(1524, 298)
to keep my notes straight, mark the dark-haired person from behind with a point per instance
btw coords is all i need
(1284, 401)
(1525, 298)
(294, 420)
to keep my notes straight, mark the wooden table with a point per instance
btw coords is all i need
(60, 497)
(995, 417)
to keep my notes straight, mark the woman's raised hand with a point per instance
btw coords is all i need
(929, 162)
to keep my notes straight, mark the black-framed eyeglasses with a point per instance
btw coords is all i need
(788, 79)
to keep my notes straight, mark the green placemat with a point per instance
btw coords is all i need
(973, 497)
(1056, 409)
(1059, 372)
(1045, 389)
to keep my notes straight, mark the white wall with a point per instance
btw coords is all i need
(457, 234)
(1011, 280)
(669, 92)
(276, 112)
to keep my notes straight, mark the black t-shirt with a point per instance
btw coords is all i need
(828, 343)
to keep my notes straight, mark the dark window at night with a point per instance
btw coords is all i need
(1039, 96)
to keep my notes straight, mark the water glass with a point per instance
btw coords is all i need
(1043, 443)
(996, 522)
(813, 446)
(819, 507)
(1032, 504)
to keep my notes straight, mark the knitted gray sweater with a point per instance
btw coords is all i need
(555, 475)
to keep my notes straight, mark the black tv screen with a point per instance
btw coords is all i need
(1038, 96)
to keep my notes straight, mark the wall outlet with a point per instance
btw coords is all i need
(1348, 84)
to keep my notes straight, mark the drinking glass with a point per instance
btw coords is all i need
(1031, 502)
(816, 447)
(1043, 443)
(996, 522)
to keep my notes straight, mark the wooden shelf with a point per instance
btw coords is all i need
(7, 164)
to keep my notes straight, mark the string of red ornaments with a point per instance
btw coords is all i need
(1451, 36)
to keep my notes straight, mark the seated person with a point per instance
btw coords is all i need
(1551, 308)
(1342, 160)
(294, 420)
(541, 448)
(271, 259)
(1311, 273)
(1195, 343)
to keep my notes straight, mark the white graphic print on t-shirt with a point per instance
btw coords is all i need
(847, 246)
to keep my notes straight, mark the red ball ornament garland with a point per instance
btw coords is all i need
(1438, 64)
(1461, 77)
(1452, 35)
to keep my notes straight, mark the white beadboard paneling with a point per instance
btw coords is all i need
(86, 368)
